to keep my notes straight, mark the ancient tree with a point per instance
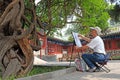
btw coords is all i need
(16, 53)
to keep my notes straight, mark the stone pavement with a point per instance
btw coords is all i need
(114, 74)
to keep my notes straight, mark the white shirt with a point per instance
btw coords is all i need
(97, 45)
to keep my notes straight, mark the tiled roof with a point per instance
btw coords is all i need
(62, 42)
(59, 41)
(115, 35)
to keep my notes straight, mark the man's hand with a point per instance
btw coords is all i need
(81, 49)
(80, 36)
(84, 38)
(78, 48)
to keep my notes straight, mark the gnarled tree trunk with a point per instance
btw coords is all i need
(16, 54)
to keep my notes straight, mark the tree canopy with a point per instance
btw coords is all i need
(54, 14)
(114, 11)
(93, 13)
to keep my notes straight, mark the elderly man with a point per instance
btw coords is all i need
(97, 45)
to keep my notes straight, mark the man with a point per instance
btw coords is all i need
(95, 43)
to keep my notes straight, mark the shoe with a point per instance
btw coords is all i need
(91, 70)
(98, 69)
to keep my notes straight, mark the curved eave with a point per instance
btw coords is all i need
(111, 36)
(62, 42)
(58, 41)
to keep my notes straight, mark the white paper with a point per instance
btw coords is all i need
(77, 40)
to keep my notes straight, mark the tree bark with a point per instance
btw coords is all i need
(16, 53)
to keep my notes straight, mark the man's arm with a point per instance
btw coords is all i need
(84, 38)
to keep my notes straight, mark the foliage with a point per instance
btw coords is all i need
(115, 13)
(54, 14)
(94, 15)
(91, 16)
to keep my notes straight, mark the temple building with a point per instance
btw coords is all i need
(61, 48)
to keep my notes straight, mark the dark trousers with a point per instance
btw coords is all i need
(91, 59)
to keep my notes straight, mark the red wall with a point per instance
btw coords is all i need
(54, 48)
(112, 44)
(58, 49)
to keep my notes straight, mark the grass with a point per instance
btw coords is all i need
(115, 57)
(40, 70)
(44, 69)
(10, 78)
